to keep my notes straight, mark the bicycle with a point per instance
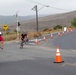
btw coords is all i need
(23, 42)
(1, 45)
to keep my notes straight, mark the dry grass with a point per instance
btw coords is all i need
(37, 34)
(34, 34)
(9, 37)
(13, 36)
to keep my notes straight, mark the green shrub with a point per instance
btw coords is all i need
(57, 27)
(73, 22)
(45, 29)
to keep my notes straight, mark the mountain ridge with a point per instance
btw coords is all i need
(63, 19)
(12, 19)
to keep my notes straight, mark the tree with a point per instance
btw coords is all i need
(73, 22)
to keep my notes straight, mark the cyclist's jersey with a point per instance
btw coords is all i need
(1, 38)
(23, 36)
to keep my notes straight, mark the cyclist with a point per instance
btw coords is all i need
(23, 38)
(26, 35)
(1, 41)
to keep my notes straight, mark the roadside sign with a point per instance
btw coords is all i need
(18, 28)
(5, 27)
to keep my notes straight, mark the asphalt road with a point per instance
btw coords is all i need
(37, 59)
(67, 41)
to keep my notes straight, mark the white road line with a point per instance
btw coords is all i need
(73, 50)
(71, 64)
(35, 40)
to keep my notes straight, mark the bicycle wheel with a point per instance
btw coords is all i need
(21, 45)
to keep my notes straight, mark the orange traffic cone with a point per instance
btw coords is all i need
(51, 36)
(58, 34)
(36, 42)
(44, 38)
(58, 56)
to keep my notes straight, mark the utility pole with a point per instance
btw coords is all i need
(18, 24)
(35, 8)
(37, 18)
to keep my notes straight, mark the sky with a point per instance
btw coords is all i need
(23, 7)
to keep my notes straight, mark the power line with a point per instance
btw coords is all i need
(48, 5)
(35, 2)
(59, 8)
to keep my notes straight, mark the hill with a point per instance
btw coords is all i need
(49, 21)
(12, 19)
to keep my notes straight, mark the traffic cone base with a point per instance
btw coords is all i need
(59, 62)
